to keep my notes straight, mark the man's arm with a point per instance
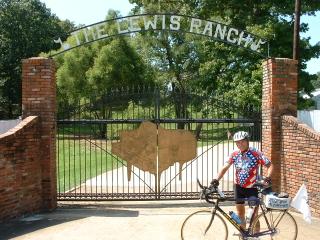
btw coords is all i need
(223, 171)
(269, 170)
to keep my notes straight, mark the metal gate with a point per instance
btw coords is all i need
(154, 163)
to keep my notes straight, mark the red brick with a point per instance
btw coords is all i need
(292, 146)
(301, 159)
(29, 171)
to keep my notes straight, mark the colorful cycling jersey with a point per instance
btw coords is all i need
(246, 165)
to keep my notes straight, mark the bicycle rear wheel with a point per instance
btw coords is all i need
(195, 225)
(282, 222)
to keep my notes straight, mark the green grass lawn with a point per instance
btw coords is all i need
(79, 160)
(82, 156)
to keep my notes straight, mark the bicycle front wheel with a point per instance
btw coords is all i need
(281, 223)
(195, 225)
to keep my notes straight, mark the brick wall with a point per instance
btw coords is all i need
(293, 147)
(39, 99)
(20, 170)
(28, 151)
(300, 161)
(279, 96)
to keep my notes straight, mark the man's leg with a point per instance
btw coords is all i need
(239, 196)
(257, 227)
(241, 214)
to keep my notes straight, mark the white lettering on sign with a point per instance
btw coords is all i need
(208, 29)
(143, 22)
(246, 39)
(229, 39)
(221, 32)
(175, 23)
(122, 26)
(134, 24)
(148, 23)
(75, 34)
(195, 25)
(86, 35)
(101, 31)
(164, 22)
(278, 203)
(256, 45)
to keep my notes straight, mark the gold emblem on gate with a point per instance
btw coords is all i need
(140, 147)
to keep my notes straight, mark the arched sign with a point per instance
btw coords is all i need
(165, 22)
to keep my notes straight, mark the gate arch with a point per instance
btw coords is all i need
(165, 22)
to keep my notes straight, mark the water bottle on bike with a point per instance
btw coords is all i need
(235, 217)
(249, 214)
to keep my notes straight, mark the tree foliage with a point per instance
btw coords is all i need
(27, 28)
(175, 60)
(91, 71)
(316, 82)
(229, 70)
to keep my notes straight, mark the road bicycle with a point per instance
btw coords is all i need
(268, 224)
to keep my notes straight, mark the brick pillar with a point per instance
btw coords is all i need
(279, 97)
(39, 99)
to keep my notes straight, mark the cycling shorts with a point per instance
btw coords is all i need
(241, 193)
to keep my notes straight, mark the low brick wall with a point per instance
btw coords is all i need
(300, 160)
(20, 170)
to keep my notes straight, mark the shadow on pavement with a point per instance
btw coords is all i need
(28, 224)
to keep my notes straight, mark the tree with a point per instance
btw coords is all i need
(316, 83)
(27, 28)
(230, 70)
(87, 74)
(117, 64)
(173, 56)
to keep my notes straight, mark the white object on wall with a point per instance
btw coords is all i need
(311, 118)
(5, 125)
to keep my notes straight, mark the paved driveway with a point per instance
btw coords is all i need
(119, 220)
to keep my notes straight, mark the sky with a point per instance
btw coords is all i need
(93, 11)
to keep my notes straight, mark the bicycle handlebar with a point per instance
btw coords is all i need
(208, 192)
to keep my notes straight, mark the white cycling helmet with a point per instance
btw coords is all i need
(240, 136)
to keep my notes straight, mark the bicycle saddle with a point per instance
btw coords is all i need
(281, 195)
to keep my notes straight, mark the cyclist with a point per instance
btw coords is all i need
(246, 161)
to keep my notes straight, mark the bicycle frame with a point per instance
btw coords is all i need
(245, 232)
